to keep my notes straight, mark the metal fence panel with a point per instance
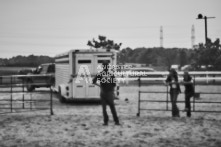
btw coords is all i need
(14, 98)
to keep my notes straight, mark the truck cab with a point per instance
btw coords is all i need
(42, 76)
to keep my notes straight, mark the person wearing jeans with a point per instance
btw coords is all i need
(107, 98)
(107, 84)
(172, 81)
(189, 92)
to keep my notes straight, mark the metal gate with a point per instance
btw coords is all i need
(14, 98)
(197, 102)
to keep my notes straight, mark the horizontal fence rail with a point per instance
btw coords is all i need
(14, 98)
(201, 78)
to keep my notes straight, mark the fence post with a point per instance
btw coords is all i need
(167, 97)
(23, 96)
(11, 93)
(30, 101)
(138, 113)
(51, 102)
(214, 81)
(194, 83)
(139, 84)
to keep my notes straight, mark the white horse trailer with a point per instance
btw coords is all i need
(75, 69)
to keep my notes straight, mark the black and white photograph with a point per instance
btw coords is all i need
(110, 73)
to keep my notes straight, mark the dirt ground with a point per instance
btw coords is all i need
(77, 125)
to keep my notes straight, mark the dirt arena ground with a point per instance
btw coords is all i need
(80, 125)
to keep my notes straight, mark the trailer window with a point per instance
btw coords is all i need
(51, 68)
(84, 61)
(44, 69)
(101, 61)
(103, 55)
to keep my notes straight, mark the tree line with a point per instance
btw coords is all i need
(157, 56)
(26, 61)
(208, 55)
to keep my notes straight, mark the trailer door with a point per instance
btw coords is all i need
(83, 69)
(92, 90)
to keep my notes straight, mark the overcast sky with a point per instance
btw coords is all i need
(50, 27)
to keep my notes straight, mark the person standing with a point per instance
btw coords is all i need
(172, 81)
(107, 84)
(189, 92)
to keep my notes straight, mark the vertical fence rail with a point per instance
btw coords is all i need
(194, 96)
(139, 84)
(167, 98)
(30, 102)
(138, 113)
(11, 94)
(51, 102)
(23, 95)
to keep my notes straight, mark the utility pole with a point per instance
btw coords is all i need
(161, 36)
(193, 36)
(200, 16)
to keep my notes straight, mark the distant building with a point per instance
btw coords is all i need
(176, 67)
(186, 67)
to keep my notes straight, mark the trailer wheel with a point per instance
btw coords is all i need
(29, 86)
(61, 98)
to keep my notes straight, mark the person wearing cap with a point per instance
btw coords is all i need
(107, 84)
(189, 92)
(172, 81)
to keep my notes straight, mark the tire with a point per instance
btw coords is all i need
(60, 97)
(29, 86)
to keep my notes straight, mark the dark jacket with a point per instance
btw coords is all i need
(107, 80)
(189, 88)
(169, 80)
